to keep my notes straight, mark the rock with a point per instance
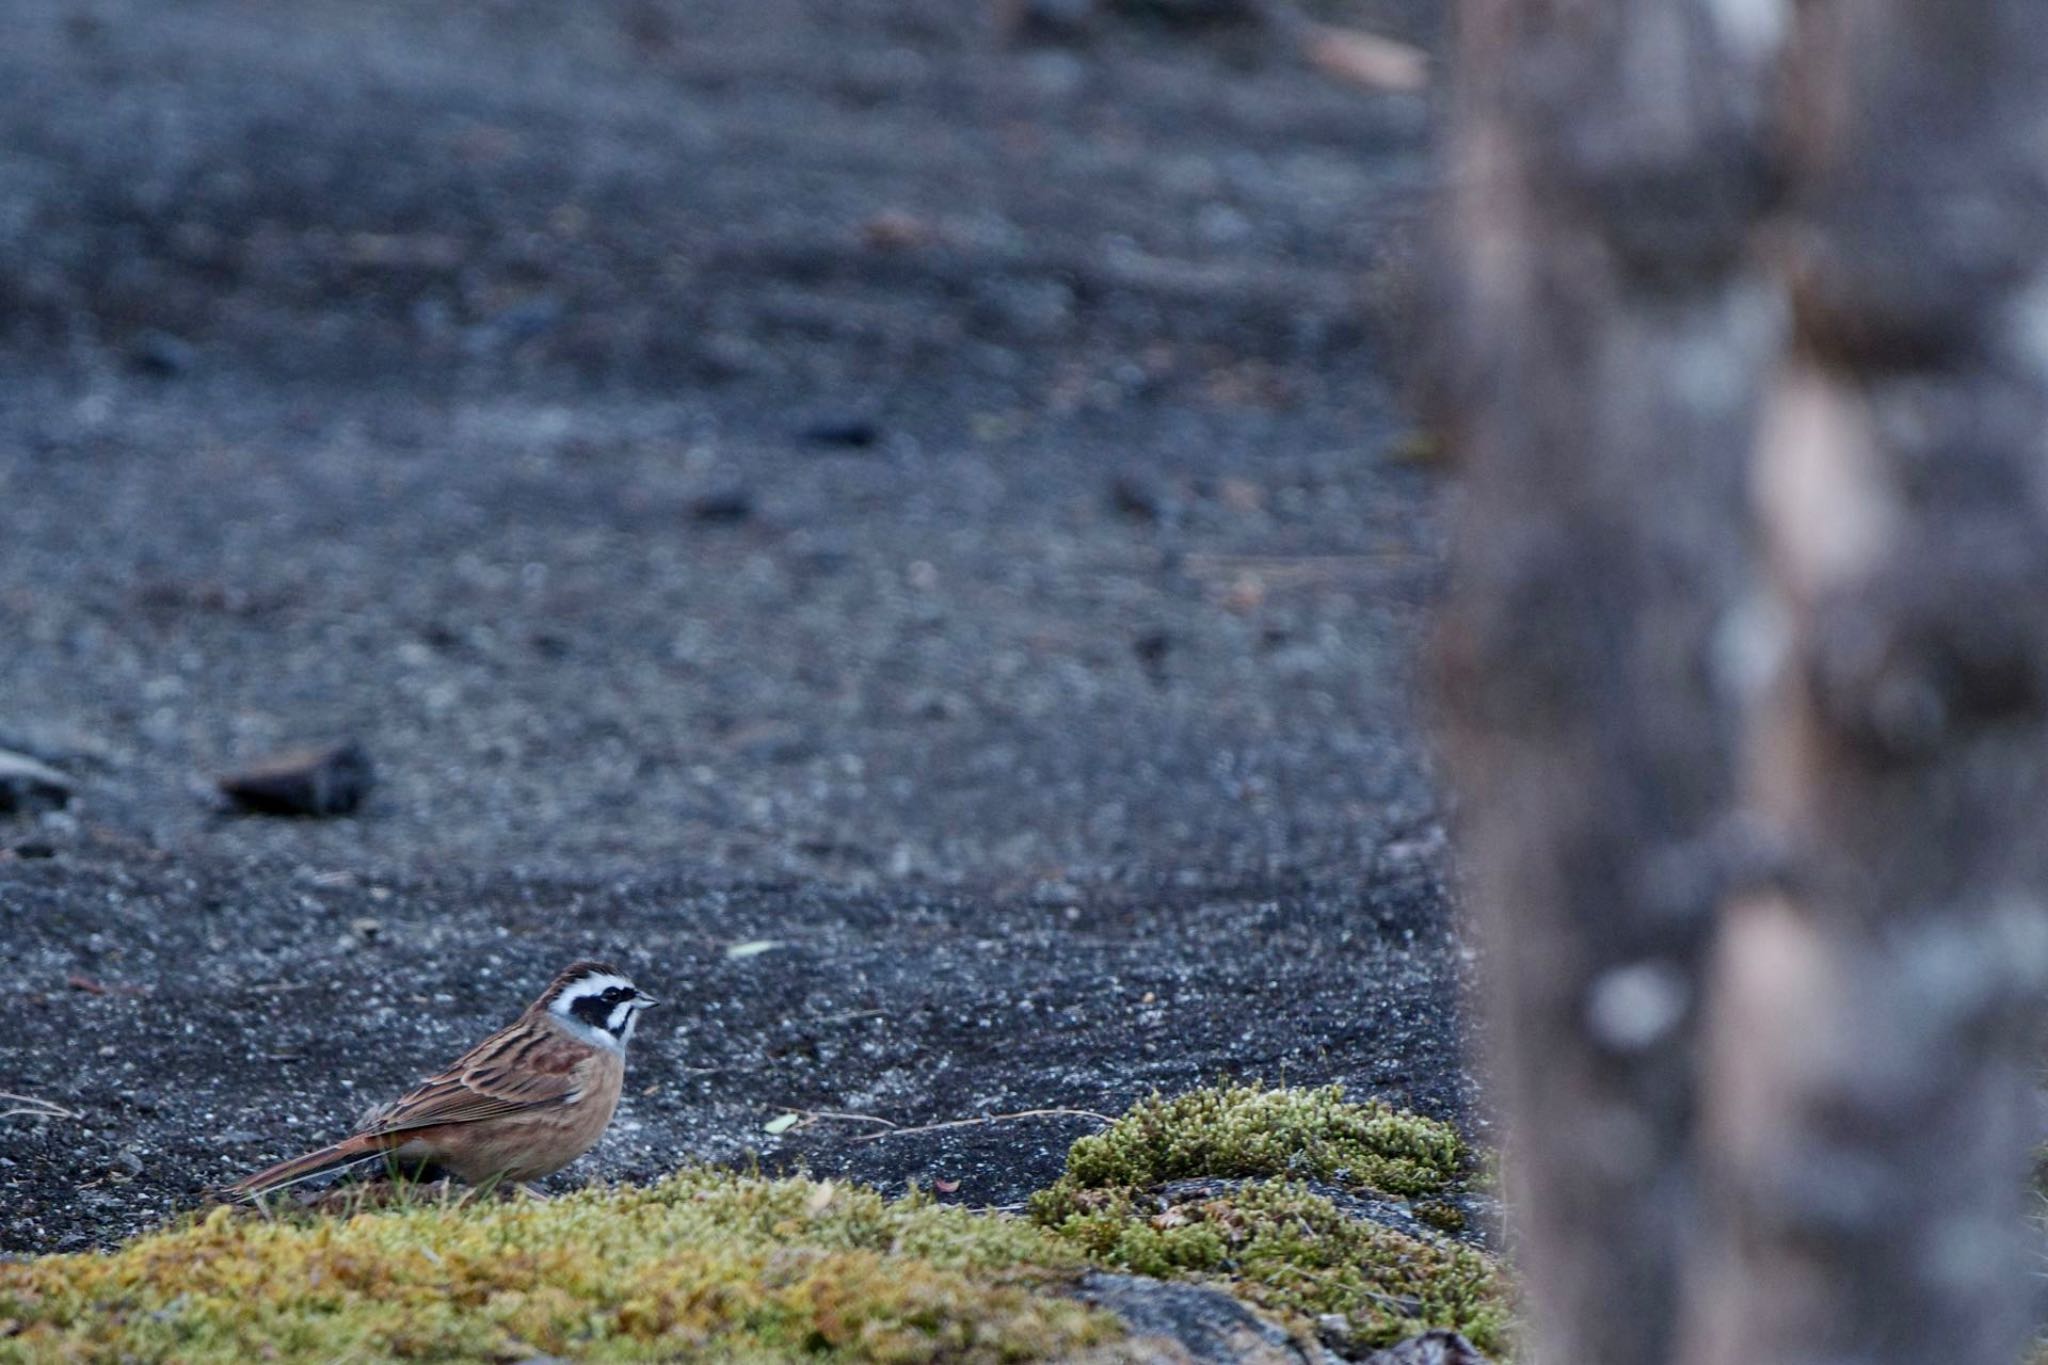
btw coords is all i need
(28, 787)
(1055, 20)
(1136, 498)
(722, 506)
(857, 433)
(160, 355)
(1440, 1347)
(316, 781)
(57, 745)
(1208, 1325)
(1192, 13)
(1152, 647)
(1044, 20)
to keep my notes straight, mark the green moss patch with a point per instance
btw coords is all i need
(1236, 1131)
(1295, 1254)
(714, 1265)
(1278, 1244)
(703, 1263)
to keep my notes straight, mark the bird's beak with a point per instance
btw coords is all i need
(643, 1000)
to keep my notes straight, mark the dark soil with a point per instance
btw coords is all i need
(792, 472)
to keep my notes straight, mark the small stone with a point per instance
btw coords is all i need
(1136, 498)
(1439, 1347)
(160, 355)
(722, 507)
(857, 433)
(30, 788)
(895, 230)
(1194, 13)
(1202, 1322)
(1044, 20)
(315, 781)
(1152, 648)
(1334, 1330)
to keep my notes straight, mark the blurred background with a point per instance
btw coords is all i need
(846, 438)
(914, 484)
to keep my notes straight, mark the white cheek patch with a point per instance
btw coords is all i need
(595, 1037)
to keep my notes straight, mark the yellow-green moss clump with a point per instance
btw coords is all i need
(1234, 1131)
(1282, 1247)
(705, 1264)
(1295, 1254)
(713, 1265)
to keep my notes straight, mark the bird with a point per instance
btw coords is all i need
(522, 1104)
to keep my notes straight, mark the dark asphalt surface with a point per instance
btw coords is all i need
(475, 383)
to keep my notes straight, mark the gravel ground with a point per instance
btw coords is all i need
(803, 474)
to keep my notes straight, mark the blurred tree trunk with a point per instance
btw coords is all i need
(1746, 658)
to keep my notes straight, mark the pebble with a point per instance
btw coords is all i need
(28, 787)
(314, 781)
(1437, 1347)
(722, 507)
(160, 355)
(857, 433)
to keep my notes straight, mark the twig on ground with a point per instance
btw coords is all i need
(31, 1107)
(849, 1016)
(1296, 566)
(806, 1117)
(985, 1119)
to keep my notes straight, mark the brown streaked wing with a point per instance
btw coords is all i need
(520, 1067)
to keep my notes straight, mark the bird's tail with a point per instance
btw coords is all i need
(347, 1152)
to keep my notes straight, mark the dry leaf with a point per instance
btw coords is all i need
(1366, 60)
(896, 229)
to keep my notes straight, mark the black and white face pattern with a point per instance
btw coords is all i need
(602, 1006)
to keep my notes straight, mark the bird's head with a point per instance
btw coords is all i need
(597, 1002)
